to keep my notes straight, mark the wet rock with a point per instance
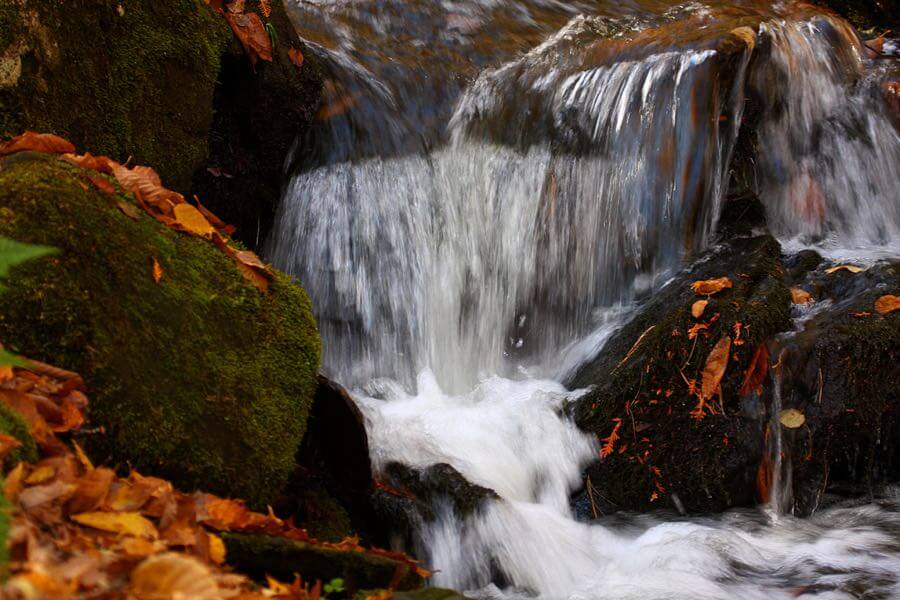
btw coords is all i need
(842, 372)
(260, 555)
(668, 450)
(867, 15)
(259, 113)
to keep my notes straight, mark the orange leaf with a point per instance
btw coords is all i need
(92, 490)
(850, 268)
(129, 210)
(144, 183)
(714, 370)
(102, 164)
(695, 329)
(252, 34)
(610, 441)
(800, 296)
(129, 523)
(887, 304)
(36, 142)
(698, 307)
(7, 444)
(172, 575)
(296, 56)
(708, 287)
(191, 220)
(157, 270)
(756, 372)
(102, 184)
(265, 8)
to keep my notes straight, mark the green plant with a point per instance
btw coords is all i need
(335, 586)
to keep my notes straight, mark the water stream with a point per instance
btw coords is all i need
(492, 187)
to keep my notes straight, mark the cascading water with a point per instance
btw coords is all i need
(467, 245)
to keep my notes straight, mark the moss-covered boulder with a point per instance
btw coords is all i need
(6, 511)
(201, 377)
(260, 555)
(663, 454)
(121, 78)
(12, 424)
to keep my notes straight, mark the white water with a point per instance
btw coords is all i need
(455, 288)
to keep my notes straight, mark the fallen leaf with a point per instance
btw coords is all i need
(800, 296)
(216, 549)
(37, 142)
(792, 418)
(265, 8)
(93, 487)
(252, 34)
(172, 576)
(102, 184)
(157, 270)
(695, 329)
(709, 287)
(887, 304)
(140, 547)
(851, 268)
(191, 220)
(756, 372)
(129, 523)
(7, 444)
(102, 164)
(698, 307)
(130, 210)
(254, 276)
(145, 184)
(43, 494)
(610, 441)
(296, 57)
(41, 474)
(714, 370)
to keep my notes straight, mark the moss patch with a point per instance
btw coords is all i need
(12, 424)
(200, 378)
(123, 79)
(5, 520)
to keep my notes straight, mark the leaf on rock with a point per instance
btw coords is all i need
(102, 164)
(714, 370)
(128, 523)
(800, 296)
(157, 271)
(887, 304)
(145, 184)
(102, 184)
(709, 287)
(296, 56)
(695, 329)
(129, 210)
(171, 576)
(265, 8)
(252, 34)
(36, 142)
(851, 268)
(791, 418)
(191, 220)
(698, 307)
(756, 372)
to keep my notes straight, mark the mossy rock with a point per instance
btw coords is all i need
(664, 456)
(131, 78)
(201, 378)
(260, 555)
(12, 424)
(6, 511)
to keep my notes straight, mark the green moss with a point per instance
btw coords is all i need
(123, 79)
(5, 520)
(201, 378)
(10, 23)
(12, 424)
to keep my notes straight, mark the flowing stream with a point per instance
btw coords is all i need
(490, 189)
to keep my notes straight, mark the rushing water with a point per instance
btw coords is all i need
(493, 185)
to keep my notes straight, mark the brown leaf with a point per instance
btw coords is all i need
(756, 372)
(252, 34)
(7, 444)
(851, 268)
(791, 418)
(130, 210)
(157, 270)
(144, 183)
(171, 576)
(102, 164)
(43, 494)
(129, 523)
(91, 492)
(887, 304)
(253, 276)
(296, 56)
(102, 184)
(36, 142)
(800, 296)
(708, 287)
(265, 8)
(698, 307)
(695, 329)
(714, 370)
(191, 220)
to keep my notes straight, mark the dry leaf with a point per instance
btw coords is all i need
(792, 418)
(216, 549)
(695, 329)
(129, 523)
(102, 164)
(102, 184)
(130, 210)
(800, 296)
(756, 372)
(265, 8)
(851, 268)
(36, 142)
(610, 441)
(7, 444)
(252, 34)
(698, 307)
(191, 220)
(44, 494)
(708, 287)
(173, 576)
(145, 184)
(41, 474)
(92, 490)
(887, 304)
(296, 56)
(157, 270)
(714, 370)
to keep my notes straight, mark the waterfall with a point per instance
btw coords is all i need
(462, 255)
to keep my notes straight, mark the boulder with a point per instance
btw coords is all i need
(200, 377)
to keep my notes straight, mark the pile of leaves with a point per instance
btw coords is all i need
(257, 38)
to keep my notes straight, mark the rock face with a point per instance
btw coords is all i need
(166, 83)
(200, 378)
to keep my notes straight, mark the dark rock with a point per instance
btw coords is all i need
(260, 555)
(260, 111)
(664, 456)
(873, 16)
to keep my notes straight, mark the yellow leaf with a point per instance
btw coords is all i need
(172, 576)
(129, 523)
(708, 287)
(792, 418)
(851, 268)
(157, 271)
(800, 296)
(216, 549)
(887, 304)
(698, 307)
(192, 220)
(41, 474)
